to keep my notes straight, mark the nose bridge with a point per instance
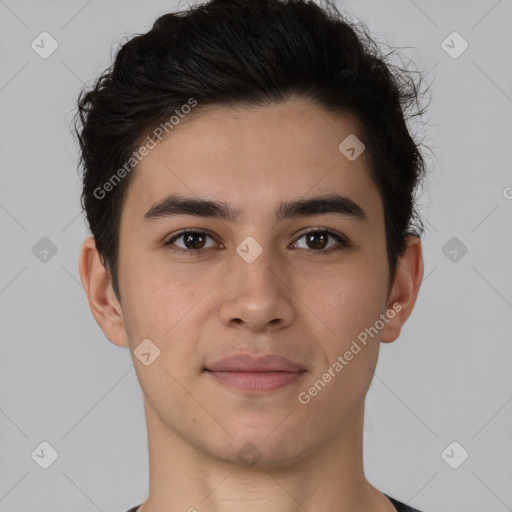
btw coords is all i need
(256, 294)
(254, 270)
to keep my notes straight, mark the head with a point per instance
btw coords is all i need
(240, 110)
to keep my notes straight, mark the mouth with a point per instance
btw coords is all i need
(253, 374)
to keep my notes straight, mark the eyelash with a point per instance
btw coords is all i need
(191, 252)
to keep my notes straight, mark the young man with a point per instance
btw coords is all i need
(249, 181)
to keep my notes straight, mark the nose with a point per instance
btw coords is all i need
(257, 295)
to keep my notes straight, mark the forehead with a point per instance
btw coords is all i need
(251, 158)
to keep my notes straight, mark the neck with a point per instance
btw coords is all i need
(185, 477)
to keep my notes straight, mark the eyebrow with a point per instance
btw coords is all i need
(176, 204)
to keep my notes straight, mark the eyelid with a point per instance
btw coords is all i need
(186, 231)
(321, 229)
(342, 240)
(189, 230)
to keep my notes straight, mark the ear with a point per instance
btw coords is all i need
(103, 303)
(404, 292)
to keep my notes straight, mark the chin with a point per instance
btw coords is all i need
(264, 447)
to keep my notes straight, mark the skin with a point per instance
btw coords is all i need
(307, 307)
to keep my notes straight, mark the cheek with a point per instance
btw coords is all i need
(156, 297)
(350, 299)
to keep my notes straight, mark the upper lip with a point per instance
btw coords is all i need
(252, 363)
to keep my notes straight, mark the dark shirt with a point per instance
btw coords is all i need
(400, 507)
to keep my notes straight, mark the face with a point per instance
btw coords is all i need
(274, 277)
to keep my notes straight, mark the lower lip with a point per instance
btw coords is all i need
(256, 381)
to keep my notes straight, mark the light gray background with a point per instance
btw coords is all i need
(448, 377)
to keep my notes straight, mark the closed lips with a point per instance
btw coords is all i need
(254, 364)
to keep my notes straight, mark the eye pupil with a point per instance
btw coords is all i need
(313, 238)
(191, 239)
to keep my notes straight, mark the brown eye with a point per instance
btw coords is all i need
(318, 240)
(194, 240)
(190, 242)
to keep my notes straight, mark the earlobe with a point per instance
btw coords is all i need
(100, 295)
(406, 286)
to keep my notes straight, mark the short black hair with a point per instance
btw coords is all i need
(248, 53)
